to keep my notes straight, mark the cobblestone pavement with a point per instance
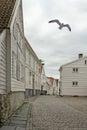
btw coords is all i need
(58, 113)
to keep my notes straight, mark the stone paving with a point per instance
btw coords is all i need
(50, 113)
(58, 113)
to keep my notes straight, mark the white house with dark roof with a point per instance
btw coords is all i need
(19, 65)
(73, 77)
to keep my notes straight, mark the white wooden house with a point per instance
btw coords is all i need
(49, 87)
(11, 57)
(73, 77)
(52, 86)
(19, 65)
(55, 87)
(32, 71)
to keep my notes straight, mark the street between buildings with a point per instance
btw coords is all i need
(49, 113)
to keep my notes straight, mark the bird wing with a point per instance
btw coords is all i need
(67, 25)
(55, 20)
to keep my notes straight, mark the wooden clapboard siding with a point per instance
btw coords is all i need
(14, 40)
(68, 76)
(2, 63)
(76, 91)
(17, 85)
(27, 78)
(32, 67)
(17, 35)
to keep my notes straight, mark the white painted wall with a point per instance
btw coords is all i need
(19, 61)
(17, 47)
(68, 76)
(3, 62)
(33, 65)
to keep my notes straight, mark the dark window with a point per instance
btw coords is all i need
(75, 69)
(75, 83)
(85, 61)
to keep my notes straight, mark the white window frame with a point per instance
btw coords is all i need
(14, 65)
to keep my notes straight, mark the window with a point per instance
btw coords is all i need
(21, 72)
(32, 62)
(86, 62)
(14, 65)
(75, 83)
(75, 69)
(27, 56)
(29, 77)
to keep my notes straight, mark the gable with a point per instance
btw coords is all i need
(16, 21)
(75, 62)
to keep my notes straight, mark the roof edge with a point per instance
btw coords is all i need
(72, 62)
(13, 12)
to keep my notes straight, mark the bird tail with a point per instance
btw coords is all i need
(50, 21)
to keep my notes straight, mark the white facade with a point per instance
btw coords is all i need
(19, 65)
(55, 87)
(12, 60)
(3, 52)
(73, 78)
(43, 81)
(52, 86)
(49, 87)
(32, 71)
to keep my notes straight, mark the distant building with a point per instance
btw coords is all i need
(56, 87)
(73, 77)
(49, 87)
(43, 81)
(52, 86)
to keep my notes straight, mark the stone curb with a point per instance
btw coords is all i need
(22, 118)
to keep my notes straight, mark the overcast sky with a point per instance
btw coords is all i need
(56, 47)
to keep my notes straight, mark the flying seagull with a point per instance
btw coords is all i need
(61, 25)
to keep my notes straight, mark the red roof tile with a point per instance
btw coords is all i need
(6, 8)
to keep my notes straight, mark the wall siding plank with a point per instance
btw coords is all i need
(3, 66)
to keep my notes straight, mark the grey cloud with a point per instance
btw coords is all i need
(56, 47)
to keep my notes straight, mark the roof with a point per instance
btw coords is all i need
(51, 79)
(72, 62)
(6, 8)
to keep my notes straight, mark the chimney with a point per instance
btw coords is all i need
(80, 55)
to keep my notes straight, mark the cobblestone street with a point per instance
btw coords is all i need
(58, 113)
